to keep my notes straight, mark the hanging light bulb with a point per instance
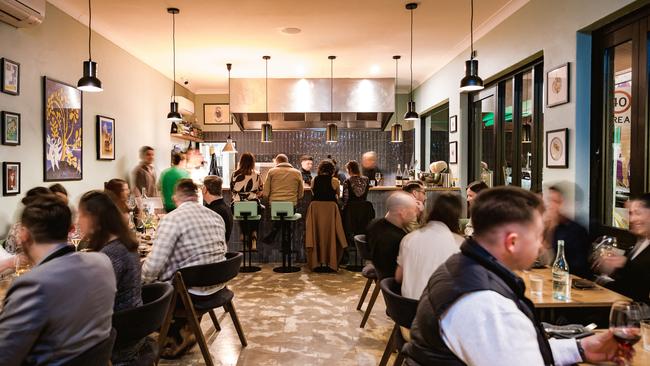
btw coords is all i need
(471, 81)
(267, 129)
(229, 147)
(332, 130)
(173, 114)
(411, 114)
(89, 82)
(396, 134)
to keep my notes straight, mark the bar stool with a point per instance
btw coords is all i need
(246, 213)
(284, 212)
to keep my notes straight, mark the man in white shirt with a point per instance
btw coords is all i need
(474, 310)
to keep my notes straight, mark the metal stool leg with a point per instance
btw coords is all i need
(248, 248)
(286, 249)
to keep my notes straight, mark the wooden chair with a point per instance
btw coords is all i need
(97, 355)
(402, 311)
(370, 274)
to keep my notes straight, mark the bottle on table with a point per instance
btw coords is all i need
(398, 177)
(561, 277)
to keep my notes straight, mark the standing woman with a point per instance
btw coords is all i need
(106, 231)
(325, 186)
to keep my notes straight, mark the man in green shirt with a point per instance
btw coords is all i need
(169, 177)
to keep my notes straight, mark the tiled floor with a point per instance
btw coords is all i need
(300, 318)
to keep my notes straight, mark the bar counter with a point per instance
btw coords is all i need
(271, 253)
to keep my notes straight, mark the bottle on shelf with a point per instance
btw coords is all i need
(405, 175)
(398, 176)
(561, 277)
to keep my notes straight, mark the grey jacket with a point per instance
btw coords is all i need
(58, 310)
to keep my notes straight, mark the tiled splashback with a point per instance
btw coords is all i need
(350, 146)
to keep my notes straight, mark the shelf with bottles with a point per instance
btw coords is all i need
(186, 131)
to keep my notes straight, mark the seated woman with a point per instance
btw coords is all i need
(324, 186)
(423, 250)
(119, 192)
(105, 230)
(246, 185)
(472, 190)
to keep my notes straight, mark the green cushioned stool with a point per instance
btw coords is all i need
(284, 212)
(246, 213)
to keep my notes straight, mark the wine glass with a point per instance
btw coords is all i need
(377, 178)
(625, 322)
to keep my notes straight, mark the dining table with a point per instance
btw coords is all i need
(641, 356)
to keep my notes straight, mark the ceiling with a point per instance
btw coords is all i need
(363, 34)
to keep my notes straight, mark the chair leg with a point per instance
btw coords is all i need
(364, 293)
(193, 320)
(164, 329)
(215, 321)
(400, 359)
(390, 347)
(240, 332)
(371, 303)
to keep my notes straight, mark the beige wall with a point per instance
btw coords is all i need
(541, 26)
(201, 99)
(134, 94)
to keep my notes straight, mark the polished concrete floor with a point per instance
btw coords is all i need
(299, 318)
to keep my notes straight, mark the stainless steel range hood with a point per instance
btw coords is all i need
(305, 103)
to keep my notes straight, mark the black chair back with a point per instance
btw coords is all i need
(98, 355)
(401, 309)
(134, 324)
(362, 247)
(213, 273)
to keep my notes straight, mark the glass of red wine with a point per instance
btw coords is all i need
(625, 322)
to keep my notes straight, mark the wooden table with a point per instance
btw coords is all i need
(598, 297)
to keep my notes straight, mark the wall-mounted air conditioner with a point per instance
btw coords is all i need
(185, 106)
(22, 13)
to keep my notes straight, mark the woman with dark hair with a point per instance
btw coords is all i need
(357, 211)
(105, 230)
(324, 186)
(59, 190)
(246, 183)
(356, 187)
(423, 250)
(472, 190)
(120, 192)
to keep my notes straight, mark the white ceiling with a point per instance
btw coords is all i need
(363, 34)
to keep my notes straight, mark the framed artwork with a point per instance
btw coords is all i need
(11, 179)
(216, 114)
(105, 138)
(62, 131)
(453, 152)
(10, 77)
(453, 123)
(557, 148)
(557, 86)
(10, 128)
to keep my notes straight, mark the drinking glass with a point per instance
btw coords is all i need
(645, 332)
(536, 285)
(22, 264)
(377, 178)
(625, 323)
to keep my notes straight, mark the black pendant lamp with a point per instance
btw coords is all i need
(332, 130)
(411, 114)
(229, 147)
(267, 129)
(396, 134)
(471, 81)
(89, 82)
(173, 114)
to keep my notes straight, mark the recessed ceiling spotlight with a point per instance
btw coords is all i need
(290, 30)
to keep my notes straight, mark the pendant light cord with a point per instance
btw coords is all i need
(229, 114)
(266, 84)
(174, 55)
(411, 93)
(471, 30)
(396, 102)
(332, 90)
(90, 21)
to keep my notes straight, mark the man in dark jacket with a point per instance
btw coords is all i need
(213, 199)
(474, 310)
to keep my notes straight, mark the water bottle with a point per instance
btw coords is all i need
(561, 277)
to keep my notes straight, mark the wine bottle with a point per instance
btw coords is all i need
(398, 177)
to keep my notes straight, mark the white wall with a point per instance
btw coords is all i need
(134, 94)
(548, 26)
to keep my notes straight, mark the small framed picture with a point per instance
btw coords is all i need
(10, 77)
(10, 128)
(453, 152)
(453, 123)
(216, 114)
(557, 86)
(557, 148)
(11, 179)
(105, 138)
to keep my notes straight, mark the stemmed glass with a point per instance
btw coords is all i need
(625, 322)
(377, 178)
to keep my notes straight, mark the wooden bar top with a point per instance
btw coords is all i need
(595, 297)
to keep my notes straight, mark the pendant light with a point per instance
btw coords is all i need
(89, 82)
(229, 147)
(173, 114)
(396, 134)
(267, 129)
(411, 114)
(471, 81)
(332, 131)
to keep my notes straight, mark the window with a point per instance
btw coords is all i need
(435, 139)
(505, 125)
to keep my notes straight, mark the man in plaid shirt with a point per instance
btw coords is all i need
(190, 235)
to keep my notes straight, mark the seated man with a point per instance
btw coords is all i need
(474, 310)
(213, 199)
(417, 190)
(631, 273)
(384, 235)
(283, 183)
(63, 306)
(188, 236)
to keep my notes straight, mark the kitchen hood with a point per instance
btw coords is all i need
(305, 103)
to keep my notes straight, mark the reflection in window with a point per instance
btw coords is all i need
(526, 132)
(484, 112)
(508, 132)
